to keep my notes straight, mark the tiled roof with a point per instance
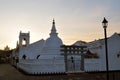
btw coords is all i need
(89, 54)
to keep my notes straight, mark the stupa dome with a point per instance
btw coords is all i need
(53, 41)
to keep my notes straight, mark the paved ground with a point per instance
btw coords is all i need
(8, 72)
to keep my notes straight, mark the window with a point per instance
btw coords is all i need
(24, 42)
(118, 55)
(72, 60)
(24, 56)
(38, 56)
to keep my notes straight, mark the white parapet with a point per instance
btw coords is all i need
(42, 66)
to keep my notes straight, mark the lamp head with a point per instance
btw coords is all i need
(104, 23)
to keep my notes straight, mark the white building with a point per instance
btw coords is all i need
(98, 47)
(43, 56)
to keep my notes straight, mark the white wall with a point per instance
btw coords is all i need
(113, 50)
(33, 66)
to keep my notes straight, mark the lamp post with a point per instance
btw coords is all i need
(105, 23)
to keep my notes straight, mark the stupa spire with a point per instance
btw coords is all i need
(53, 30)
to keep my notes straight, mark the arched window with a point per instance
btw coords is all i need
(24, 42)
(24, 56)
(37, 56)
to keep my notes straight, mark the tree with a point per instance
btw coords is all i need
(7, 48)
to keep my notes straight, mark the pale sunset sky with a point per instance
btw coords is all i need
(75, 19)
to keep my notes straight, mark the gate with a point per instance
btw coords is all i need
(74, 57)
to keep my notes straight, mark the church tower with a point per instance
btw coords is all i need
(24, 39)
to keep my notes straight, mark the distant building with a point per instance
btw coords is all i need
(80, 43)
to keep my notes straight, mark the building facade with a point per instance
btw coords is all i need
(97, 48)
(44, 56)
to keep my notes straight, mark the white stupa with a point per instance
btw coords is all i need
(43, 56)
(53, 43)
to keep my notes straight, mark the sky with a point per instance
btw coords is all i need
(75, 19)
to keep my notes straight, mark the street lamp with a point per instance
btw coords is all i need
(105, 24)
